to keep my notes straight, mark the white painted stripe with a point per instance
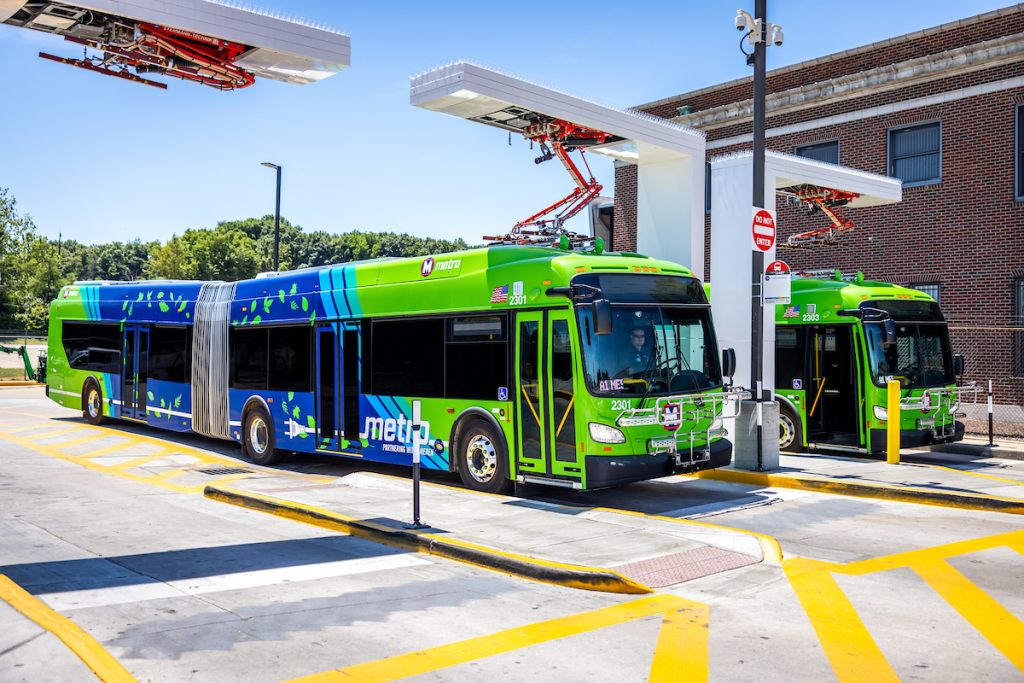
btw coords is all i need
(119, 595)
(62, 392)
(158, 409)
(881, 110)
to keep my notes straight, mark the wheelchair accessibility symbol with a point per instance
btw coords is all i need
(502, 393)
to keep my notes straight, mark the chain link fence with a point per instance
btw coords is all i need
(993, 356)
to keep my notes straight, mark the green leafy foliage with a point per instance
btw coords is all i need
(33, 269)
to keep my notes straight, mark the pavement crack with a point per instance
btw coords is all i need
(28, 640)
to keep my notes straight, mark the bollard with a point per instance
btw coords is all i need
(416, 524)
(990, 443)
(892, 428)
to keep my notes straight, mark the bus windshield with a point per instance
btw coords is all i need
(652, 350)
(921, 356)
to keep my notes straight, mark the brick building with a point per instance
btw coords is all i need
(943, 109)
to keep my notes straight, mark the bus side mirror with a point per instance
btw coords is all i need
(602, 317)
(851, 313)
(728, 363)
(958, 364)
(890, 333)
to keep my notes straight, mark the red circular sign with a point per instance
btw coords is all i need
(763, 230)
(777, 268)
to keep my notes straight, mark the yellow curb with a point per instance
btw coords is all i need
(546, 571)
(78, 641)
(901, 494)
(19, 383)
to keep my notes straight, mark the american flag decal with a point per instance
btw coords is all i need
(792, 312)
(500, 295)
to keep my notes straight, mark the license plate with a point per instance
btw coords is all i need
(698, 456)
(926, 423)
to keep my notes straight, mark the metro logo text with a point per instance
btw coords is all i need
(395, 433)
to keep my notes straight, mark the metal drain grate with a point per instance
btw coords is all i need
(218, 471)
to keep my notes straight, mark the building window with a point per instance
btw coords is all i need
(707, 187)
(929, 288)
(820, 151)
(1019, 141)
(915, 154)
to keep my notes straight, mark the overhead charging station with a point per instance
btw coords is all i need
(670, 160)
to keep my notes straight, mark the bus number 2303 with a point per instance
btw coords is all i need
(811, 317)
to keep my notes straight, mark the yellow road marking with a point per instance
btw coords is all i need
(681, 652)
(107, 450)
(992, 620)
(71, 634)
(76, 442)
(58, 432)
(972, 473)
(852, 651)
(140, 461)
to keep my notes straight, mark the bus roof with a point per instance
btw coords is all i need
(488, 278)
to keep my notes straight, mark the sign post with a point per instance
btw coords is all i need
(762, 229)
(777, 287)
(416, 523)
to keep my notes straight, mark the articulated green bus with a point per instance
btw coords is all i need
(527, 363)
(839, 342)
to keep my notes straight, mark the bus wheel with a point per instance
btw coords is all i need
(482, 458)
(92, 403)
(258, 438)
(789, 430)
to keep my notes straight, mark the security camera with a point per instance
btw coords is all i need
(741, 21)
(776, 35)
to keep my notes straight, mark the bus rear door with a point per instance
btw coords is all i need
(134, 371)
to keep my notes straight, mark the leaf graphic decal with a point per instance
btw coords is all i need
(295, 288)
(124, 305)
(160, 295)
(266, 304)
(311, 422)
(280, 295)
(305, 304)
(177, 401)
(149, 395)
(181, 307)
(291, 395)
(163, 403)
(164, 307)
(295, 305)
(295, 412)
(245, 318)
(256, 320)
(140, 297)
(312, 317)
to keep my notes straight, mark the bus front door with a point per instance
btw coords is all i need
(545, 429)
(327, 382)
(134, 371)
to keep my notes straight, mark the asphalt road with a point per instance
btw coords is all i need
(108, 527)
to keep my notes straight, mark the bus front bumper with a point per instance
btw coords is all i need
(914, 438)
(603, 472)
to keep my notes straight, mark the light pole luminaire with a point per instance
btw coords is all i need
(277, 215)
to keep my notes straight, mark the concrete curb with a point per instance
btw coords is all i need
(983, 451)
(19, 383)
(102, 663)
(901, 494)
(546, 571)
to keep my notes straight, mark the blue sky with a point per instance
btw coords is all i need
(101, 159)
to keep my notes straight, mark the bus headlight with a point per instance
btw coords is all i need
(605, 434)
(881, 413)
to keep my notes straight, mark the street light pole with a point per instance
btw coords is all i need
(277, 215)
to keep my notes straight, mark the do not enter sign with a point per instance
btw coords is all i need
(763, 229)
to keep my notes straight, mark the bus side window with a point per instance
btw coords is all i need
(476, 357)
(789, 356)
(408, 357)
(92, 346)
(290, 358)
(169, 354)
(248, 358)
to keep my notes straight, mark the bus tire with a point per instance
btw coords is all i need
(482, 458)
(258, 437)
(92, 403)
(789, 430)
